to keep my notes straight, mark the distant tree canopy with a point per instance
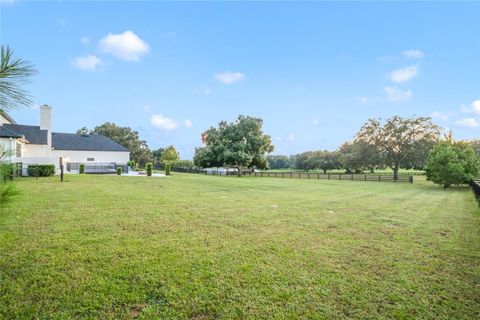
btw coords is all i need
(358, 156)
(139, 151)
(321, 159)
(170, 154)
(278, 162)
(451, 163)
(238, 144)
(157, 156)
(83, 131)
(475, 144)
(400, 141)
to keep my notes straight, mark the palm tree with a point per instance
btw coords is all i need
(14, 73)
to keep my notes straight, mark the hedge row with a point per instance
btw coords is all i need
(41, 170)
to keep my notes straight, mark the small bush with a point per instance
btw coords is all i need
(41, 170)
(167, 169)
(7, 192)
(6, 171)
(131, 164)
(81, 169)
(119, 171)
(149, 169)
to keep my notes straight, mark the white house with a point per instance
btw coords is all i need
(28, 144)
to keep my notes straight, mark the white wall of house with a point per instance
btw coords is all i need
(10, 146)
(7, 145)
(36, 151)
(74, 156)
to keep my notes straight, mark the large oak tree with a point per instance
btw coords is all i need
(240, 144)
(399, 140)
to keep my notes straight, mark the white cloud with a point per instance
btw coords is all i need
(397, 95)
(187, 123)
(230, 77)
(404, 74)
(162, 122)
(290, 137)
(414, 54)
(362, 100)
(468, 122)
(85, 40)
(126, 46)
(476, 106)
(315, 122)
(88, 63)
(8, 2)
(62, 22)
(203, 90)
(439, 115)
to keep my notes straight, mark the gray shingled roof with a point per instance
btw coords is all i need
(33, 134)
(92, 142)
(6, 133)
(61, 141)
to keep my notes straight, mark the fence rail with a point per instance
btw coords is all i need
(475, 185)
(302, 175)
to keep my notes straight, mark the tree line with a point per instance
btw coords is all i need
(408, 143)
(140, 153)
(397, 143)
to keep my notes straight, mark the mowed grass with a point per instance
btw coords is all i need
(203, 247)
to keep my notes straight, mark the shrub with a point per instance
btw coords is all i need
(6, 171)
(186, 164)
(167, 169)
(81, 169)
(131, 164)
(451, 163)
(7, 191)
(41, 170)
(149, 168)
(119, 171)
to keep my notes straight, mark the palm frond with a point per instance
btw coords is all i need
(14, 73)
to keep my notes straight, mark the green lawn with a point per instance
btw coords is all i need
(205, 247)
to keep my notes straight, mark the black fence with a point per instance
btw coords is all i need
(330, 176)
(301, 175)
(475, 185)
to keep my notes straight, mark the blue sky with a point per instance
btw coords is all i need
(314, 72)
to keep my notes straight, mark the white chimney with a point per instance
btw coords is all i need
(46, 123)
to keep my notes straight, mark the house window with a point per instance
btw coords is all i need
(90, 159)
(18, 150)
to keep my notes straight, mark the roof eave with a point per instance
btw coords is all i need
(7, 116)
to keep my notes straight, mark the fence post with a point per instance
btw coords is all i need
(329, 176)
(352, 176)
(365, 177)
(340, 176)
(308, 175)
(299, 175)
(379, 178)
(283, 174)
(410, 179)
(318, 176)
